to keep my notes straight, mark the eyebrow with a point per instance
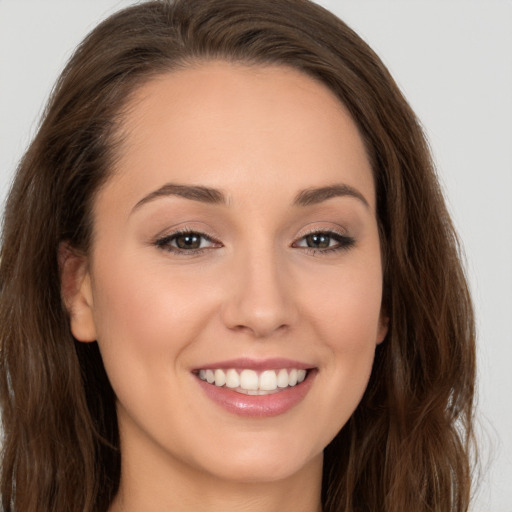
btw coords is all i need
(306, 197)
(311, 196)
(192, 192)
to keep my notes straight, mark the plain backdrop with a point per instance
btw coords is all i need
(453, 60)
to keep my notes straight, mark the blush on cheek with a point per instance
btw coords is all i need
(354, 324)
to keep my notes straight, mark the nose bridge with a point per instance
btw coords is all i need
(260, 300)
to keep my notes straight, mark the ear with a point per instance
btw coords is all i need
(76, 292)
(383, 327)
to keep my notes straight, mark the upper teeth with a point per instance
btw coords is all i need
(249, 381)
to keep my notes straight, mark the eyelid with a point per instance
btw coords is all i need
(338, 234)
(343, 239)
(330, 229)
(164, 241)
(186, 227)
(323, 229)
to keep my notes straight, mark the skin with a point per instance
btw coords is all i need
(260, 135)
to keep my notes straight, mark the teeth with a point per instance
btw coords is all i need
(268, 380)
(249, 380)
(220, 378)
(250, 383)
(282, 379)
(232, 379)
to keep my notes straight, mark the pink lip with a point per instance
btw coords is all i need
(256, 365)
(258, 406)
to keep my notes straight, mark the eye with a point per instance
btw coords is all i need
(189, 242)
(325, 241)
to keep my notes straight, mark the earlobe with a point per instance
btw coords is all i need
(76, 292)
(383, 328)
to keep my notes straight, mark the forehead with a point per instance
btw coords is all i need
(224, 125)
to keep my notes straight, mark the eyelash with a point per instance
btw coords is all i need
(344, 242)
(165, 242)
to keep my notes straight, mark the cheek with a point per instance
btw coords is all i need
(347, 305)
(134, 295)
(145, 317)
(347, 319)
(351, 328)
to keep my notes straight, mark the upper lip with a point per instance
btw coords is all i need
(256, 364)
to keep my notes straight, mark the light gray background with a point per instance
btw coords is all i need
(453, 60)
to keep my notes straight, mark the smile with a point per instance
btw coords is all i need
(251, 382)
(256, 388)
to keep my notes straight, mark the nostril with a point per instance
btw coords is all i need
(260, 329)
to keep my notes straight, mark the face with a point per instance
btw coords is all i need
(234, 283)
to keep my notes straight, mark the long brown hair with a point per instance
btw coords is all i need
(407, 446)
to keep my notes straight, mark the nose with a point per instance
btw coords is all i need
(260, 300)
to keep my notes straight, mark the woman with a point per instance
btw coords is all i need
(229, 278)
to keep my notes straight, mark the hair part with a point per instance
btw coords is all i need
(407, 445)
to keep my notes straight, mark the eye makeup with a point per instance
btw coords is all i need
(324, 241)
(189, 242)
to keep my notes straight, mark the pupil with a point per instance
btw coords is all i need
(189, 241)
(318, 240)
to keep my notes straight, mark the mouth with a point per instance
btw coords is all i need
(252, 382)
(256, 388)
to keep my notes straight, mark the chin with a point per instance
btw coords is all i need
(264, 470)
(262, 462)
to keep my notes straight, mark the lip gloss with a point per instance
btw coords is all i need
(258, 405)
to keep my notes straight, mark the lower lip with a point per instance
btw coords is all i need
(261, 406)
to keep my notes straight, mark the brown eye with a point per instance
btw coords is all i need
(325, 242)
(185, 242)
(318, 240)
(188, 241)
